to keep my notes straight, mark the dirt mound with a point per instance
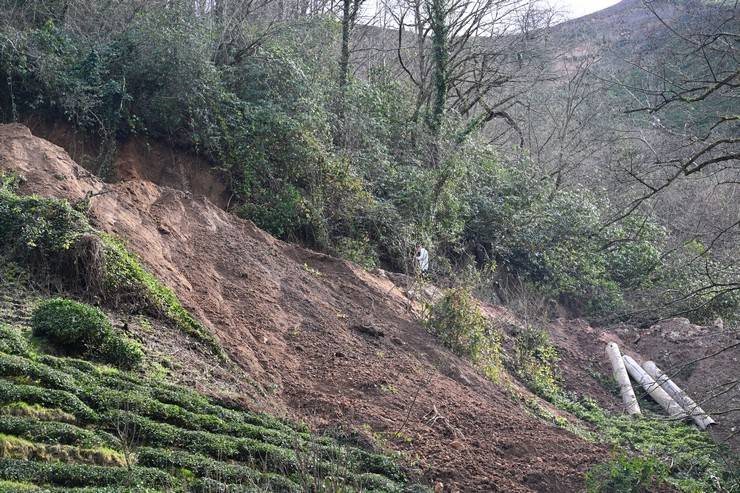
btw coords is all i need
(297, 321)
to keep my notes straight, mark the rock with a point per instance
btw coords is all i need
(369, 330)
(397, 341)
(677, 329)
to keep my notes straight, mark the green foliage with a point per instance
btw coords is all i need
(627, 475)
(36, 412)
(459, 324)
(85, 330)
(12, 341)
(535, 361)
(351, 170)
(360, 251)
(691, 460)
(62, 474)
(38, 230)
(66, 401)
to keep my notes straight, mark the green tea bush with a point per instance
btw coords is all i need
(71, 325)
(62, 474)
(84, 330)
(53, 432)
(17, 487)
(458, 323)
(12, 341)
(200, 465)
(36, 412)
(60, 399)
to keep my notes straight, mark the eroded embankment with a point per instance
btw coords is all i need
(289, 318)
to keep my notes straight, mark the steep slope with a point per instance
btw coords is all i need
(293, 320)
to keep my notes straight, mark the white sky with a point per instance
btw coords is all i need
(578, 8)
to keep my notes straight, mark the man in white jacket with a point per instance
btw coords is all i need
(422, 258)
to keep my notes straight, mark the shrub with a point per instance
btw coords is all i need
(38, 229)
(85, 330)
(19, 448)
(535, 361)
(53, 432)
(83, 475)
(12, 341)
(60, 399)
(16, 366)
(461, 326)
(200, 465)
(71, 325)
(36, 412)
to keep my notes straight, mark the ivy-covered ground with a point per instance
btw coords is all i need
(71, 425)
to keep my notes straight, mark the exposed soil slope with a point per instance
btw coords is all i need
(293, 319)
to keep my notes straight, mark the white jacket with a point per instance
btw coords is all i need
(422, 256)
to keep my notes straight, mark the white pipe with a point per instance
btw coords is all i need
(620, 375)
(651, 387)
(702, 419)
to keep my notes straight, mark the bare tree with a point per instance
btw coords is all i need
(473, 58)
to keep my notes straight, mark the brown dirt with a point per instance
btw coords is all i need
(292, 319)
(139, 159)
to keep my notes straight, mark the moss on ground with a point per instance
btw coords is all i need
(73, 425)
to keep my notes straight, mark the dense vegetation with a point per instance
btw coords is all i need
(354, 166)
(68, 424)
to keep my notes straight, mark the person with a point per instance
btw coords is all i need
(422, 258)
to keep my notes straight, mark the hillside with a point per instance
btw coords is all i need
(290, 319)
(319, 339)
(213, 216)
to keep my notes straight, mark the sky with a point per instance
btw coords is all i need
(578, 8)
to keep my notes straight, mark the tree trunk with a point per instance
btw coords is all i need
(702, 419)
(620, 375)
(347, 22)
(440, 55)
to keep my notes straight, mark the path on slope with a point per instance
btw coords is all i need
(289, 317)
